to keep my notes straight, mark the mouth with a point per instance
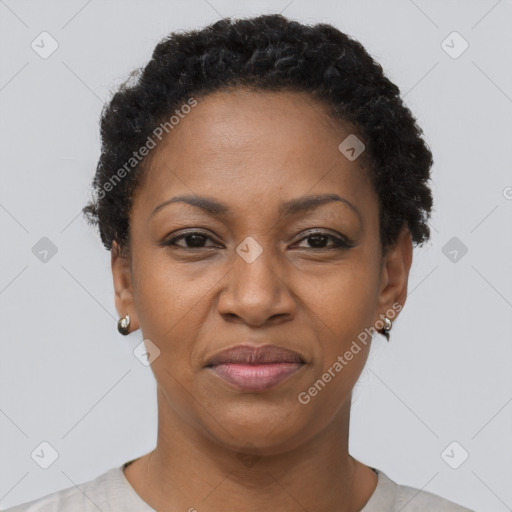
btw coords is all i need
(255, 369)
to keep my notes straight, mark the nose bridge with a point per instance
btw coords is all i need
(256, 289)
(256, 266)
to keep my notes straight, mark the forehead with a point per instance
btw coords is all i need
(252, 146)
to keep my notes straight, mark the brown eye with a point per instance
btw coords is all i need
(318, 240)
(193, 240)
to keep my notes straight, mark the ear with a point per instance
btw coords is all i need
(395, 274)
(122, 277)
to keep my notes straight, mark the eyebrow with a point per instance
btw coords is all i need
(286, 209)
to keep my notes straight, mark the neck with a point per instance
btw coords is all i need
(188, 470)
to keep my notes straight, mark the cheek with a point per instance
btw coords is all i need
(343, 301)
(166, 295)
(342, 310)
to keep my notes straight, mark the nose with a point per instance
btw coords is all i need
(257, 292)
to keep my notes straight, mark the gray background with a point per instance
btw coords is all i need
(67, 377)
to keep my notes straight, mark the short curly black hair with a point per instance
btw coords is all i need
(268, 52)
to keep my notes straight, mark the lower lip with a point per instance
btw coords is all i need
(255, 377)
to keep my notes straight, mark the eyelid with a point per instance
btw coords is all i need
(324, 232)
(340, 241)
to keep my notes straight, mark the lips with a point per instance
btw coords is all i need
(247, 354)
(255, 369)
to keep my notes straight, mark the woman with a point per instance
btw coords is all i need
(261, 186)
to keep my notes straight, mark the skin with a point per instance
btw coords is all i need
(253, 151)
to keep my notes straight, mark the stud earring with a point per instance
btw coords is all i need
(386, 328)
(123, 325)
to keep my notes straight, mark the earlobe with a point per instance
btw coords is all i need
(123, 290)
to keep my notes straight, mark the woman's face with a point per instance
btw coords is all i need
(252, 273)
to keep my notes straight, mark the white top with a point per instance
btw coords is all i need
(111, 492)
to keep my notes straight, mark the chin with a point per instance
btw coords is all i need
(272, 428)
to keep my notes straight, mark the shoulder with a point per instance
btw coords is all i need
(410, 499)
(85, 497)
(392, 497)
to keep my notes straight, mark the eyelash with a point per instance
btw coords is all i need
(339, 243)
